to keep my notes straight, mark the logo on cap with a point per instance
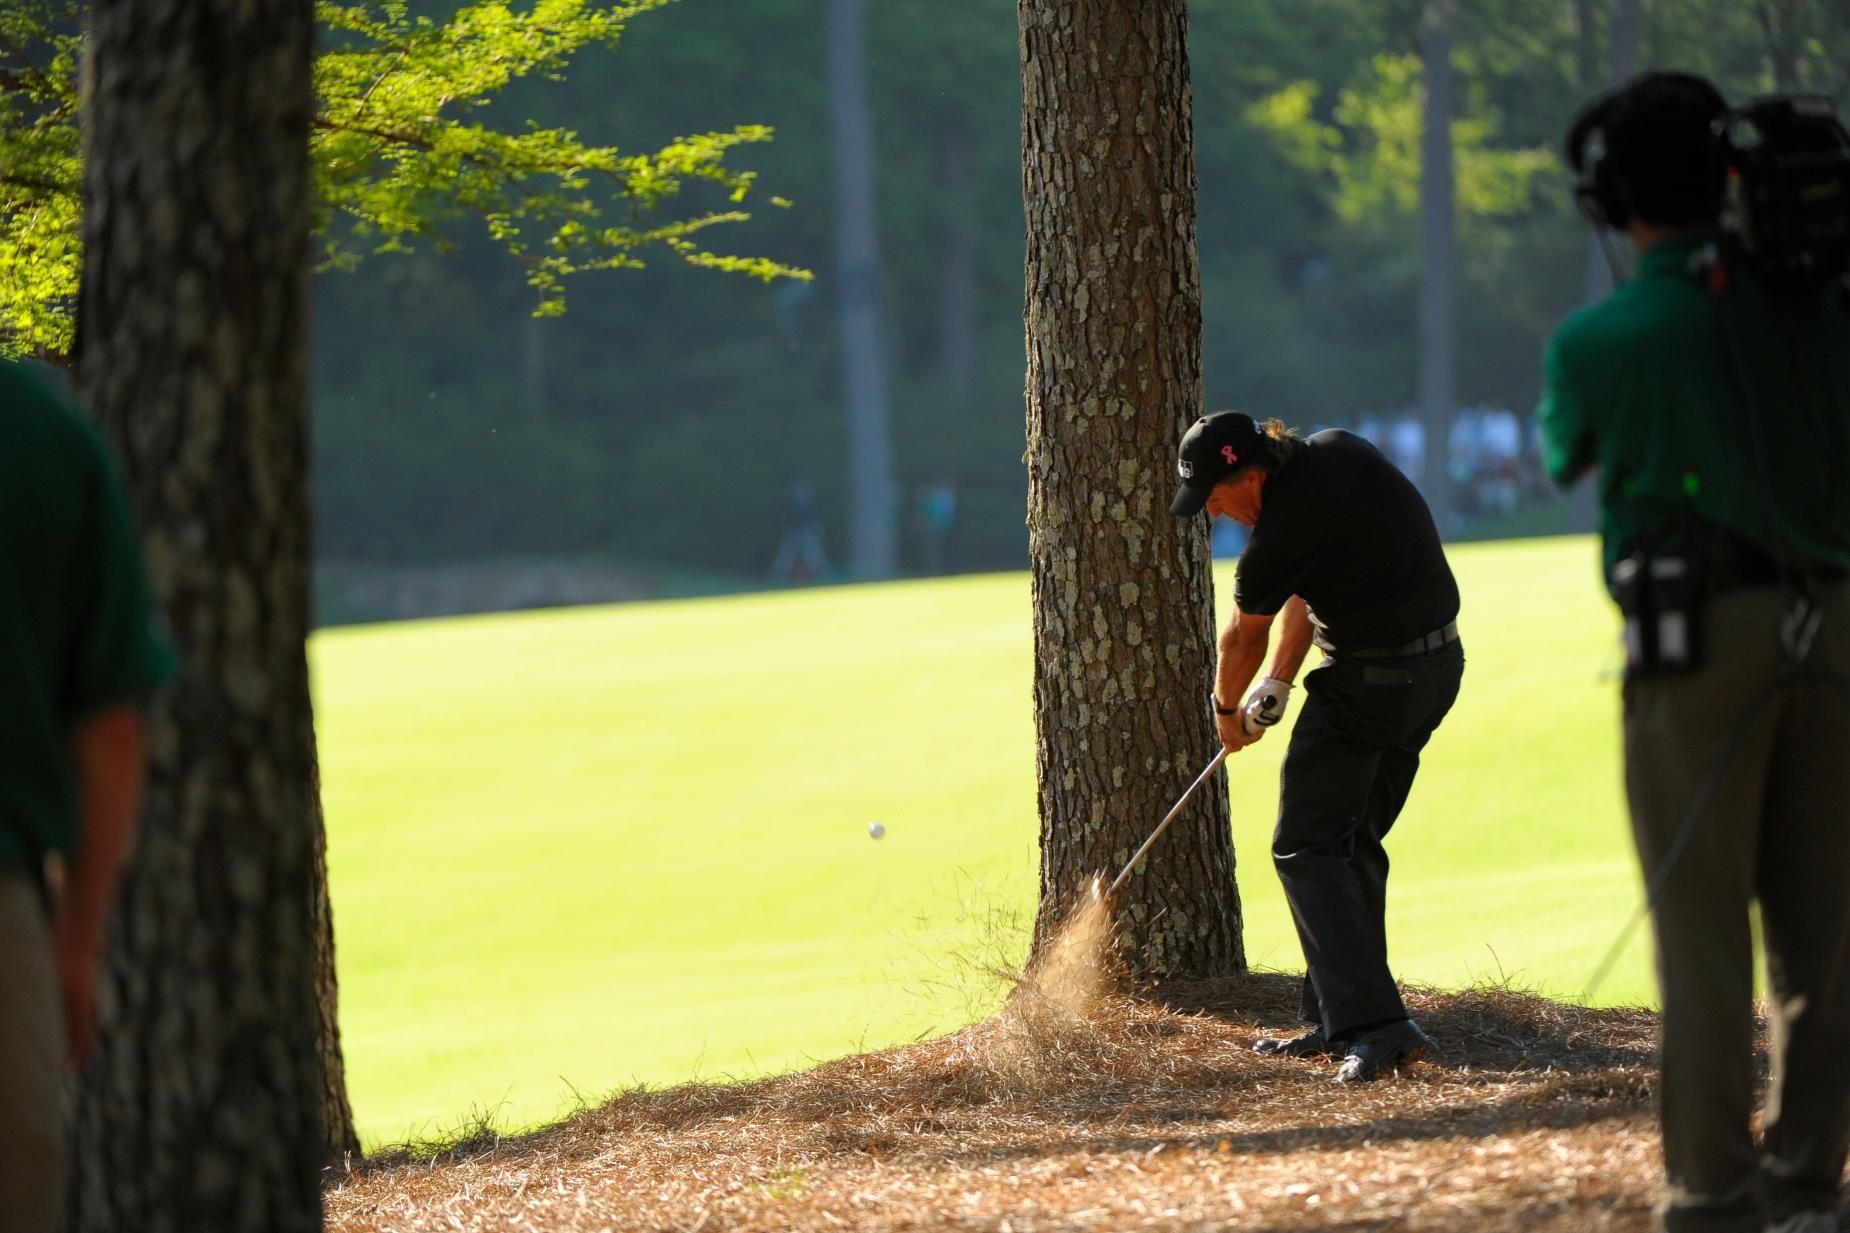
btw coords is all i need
(1186, 468)
(1226, 451)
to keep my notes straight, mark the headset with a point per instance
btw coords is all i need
(1609, 148)
(1597, 190)
(1774, 175)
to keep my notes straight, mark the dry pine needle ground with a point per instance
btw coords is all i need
(1104, 1112)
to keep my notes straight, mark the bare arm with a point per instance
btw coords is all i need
(108, 749)
(1294, 638)
(1242, 649)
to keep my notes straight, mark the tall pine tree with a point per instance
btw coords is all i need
(1123, 597)
(201, 1107)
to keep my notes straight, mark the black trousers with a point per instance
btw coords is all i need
(1353, 755)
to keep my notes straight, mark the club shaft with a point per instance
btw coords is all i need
(1162, 826)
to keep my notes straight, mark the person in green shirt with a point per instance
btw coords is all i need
(1714, 404)
(79, 658)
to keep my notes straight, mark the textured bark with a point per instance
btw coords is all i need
(1438, 259)
(201, 1109)
(872, 539)
(1123, 597)
(341, 1141)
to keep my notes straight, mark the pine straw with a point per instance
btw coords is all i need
(1116, 1113)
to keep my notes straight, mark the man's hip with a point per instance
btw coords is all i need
(32, 1062)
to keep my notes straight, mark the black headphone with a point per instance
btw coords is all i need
(1598, 190)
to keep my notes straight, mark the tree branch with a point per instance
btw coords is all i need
(51, 187)
(389, 70)
(31, 77)
(419, 142)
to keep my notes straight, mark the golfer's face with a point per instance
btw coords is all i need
(1237, 498)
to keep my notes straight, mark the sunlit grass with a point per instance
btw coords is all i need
(577, 850)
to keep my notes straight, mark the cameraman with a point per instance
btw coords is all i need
(1716, 408)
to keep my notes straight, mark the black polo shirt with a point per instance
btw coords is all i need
(1341, 527)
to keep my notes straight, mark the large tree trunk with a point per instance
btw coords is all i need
(1123, 598)
(1438, 260)
(201, 1108)
(872, 542)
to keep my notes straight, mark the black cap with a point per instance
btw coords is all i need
(1214, 447)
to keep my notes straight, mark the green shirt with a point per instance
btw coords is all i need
(76, 626)
(1727, 410)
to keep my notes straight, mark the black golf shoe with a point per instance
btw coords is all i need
(1307, 1044)
(1387, 1047)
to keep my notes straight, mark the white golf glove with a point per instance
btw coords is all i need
(1265, 706)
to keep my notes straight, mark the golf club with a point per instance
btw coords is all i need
(1249, 721)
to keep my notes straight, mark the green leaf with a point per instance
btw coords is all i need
(404, 152)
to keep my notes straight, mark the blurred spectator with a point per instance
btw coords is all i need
(935, 513)
(1493, 457)
(1500, 434)
(1369, 429)
(799, 554)
(1407, 447)
(1464, 452)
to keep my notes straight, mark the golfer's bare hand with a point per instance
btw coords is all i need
(1233, 733)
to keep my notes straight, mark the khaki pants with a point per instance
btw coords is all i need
(32, 1065)
(1776, 830)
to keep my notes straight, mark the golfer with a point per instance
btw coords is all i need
(1343, 553)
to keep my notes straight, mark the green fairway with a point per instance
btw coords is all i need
(577, 850)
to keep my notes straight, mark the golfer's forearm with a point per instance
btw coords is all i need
(1241, 653)
(108, 749)
(1294, 639)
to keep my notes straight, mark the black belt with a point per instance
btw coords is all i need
(1741, 572)
(1732, 563)
(1425, 644)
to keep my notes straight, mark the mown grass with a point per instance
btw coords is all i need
(579, 850)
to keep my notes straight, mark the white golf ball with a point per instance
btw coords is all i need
(875, 829)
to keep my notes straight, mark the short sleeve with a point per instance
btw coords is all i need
(1264, 579)
(117, 652)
